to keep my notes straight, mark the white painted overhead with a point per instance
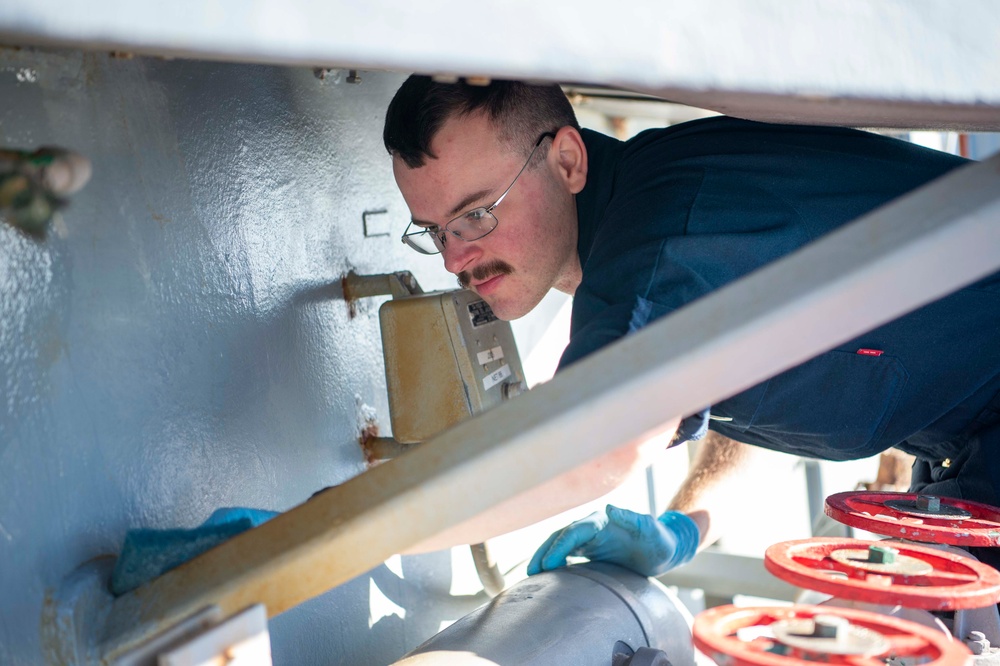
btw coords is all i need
(885, 63)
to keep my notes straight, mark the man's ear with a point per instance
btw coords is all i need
(570, 155)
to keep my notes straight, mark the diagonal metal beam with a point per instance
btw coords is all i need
(885, 264)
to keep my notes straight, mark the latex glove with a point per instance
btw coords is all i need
(647, 545)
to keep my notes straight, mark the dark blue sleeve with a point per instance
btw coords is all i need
(699, 205)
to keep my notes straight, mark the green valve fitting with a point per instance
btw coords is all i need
(882, 554)
(33, 185)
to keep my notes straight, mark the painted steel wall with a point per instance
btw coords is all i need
(180, 342)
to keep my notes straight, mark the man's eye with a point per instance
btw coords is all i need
(475, 215)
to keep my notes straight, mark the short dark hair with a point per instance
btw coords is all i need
(520, 111)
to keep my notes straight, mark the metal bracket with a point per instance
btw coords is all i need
(398, 285)
(364, 222)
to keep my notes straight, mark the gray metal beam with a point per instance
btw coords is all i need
(940, 238)
(721, 574)
(874, 63)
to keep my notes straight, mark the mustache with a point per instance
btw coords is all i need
(484, 272)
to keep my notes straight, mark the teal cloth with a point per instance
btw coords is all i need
(148, 553)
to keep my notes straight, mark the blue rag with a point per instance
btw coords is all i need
(149, 553)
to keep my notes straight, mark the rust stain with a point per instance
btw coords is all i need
(50, 632)
(351, 299)
(368, 433)
(161, 219)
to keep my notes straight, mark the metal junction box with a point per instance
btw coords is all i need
(447, 357)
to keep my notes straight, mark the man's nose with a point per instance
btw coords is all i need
(459, 255)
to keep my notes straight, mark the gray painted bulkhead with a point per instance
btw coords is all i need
(179, 342)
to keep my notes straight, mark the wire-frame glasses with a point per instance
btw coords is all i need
(470, 225)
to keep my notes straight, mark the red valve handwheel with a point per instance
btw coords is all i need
(868, 511)
(946, 581)
(715, 634)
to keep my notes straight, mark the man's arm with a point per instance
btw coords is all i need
(721, 476)
(562, 493)
(653, 545)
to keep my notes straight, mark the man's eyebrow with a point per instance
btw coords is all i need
(468, 201)
(462, 206)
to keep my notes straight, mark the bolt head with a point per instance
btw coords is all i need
(882, 554)
(512, 389)
(977, 642)
(829, 626)
(928, 503)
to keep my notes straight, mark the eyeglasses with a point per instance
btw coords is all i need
(469, 226)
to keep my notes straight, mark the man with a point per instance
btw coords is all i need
(518, 200)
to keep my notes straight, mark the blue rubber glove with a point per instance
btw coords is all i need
(647, 545)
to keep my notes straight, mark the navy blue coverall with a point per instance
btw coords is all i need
(675, 213)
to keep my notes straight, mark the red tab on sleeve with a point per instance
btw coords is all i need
(870, 352)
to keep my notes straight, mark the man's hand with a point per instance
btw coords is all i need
(647, 545)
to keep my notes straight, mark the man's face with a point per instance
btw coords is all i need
(533, 247)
